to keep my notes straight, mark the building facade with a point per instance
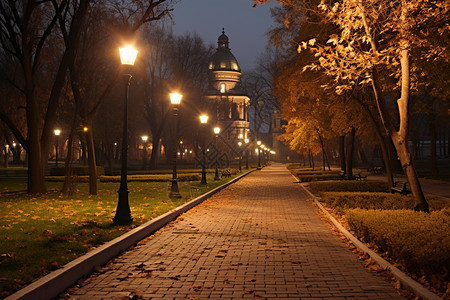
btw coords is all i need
(227, 103)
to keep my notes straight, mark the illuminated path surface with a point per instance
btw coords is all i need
(259, 237)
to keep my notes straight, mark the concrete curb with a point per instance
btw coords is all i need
(51, 285)
(406, 281)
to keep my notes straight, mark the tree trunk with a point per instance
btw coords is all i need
(327, 159)
(110, 158)
(154, 158)
(91, 159)
(433, 159)
(363, 157)
(36, 179)
(5, 158)
(323, 149)
(68, 186)
(387, 161)
(399, 138)
(342, 153)
(350, 154)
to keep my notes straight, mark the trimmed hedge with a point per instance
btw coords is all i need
(77, 170)
(317, 177)
(320, 172)
(349, 186)
(368, 200)
(130, 178)
(417, 240)
(298, 166)
(152, 178)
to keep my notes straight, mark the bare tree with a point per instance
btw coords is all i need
(49, 31)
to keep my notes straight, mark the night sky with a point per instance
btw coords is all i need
(244, 25)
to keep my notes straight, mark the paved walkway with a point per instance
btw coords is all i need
(258, 238)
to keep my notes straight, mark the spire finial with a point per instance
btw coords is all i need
(223, 30)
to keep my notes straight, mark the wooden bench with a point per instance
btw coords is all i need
(226, 173)
(401, 188)
(361, 177)
(375, 170)
(343, 175)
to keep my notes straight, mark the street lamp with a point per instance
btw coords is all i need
(246, 141)
(175, 100)
(123, 213)
(216, 132)
(203, 121)
(263, 154)
(259, 154)
(57, 133)
(144, 159)
(240, 163)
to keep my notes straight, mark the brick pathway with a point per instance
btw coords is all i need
(258, 238)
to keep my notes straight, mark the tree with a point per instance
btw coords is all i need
(258, 85)
(172, 64)
(29, 34)
(374, 42)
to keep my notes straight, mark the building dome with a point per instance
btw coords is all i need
(223, 59)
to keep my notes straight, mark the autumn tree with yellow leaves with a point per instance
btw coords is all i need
(372, 44)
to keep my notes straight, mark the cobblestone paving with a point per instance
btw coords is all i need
(258, 238)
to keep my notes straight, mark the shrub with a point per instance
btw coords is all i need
(320, 172)
(298, 166)
(152, 178)
(368, 200)
(349, 186)
(77, 170)
(416, 239)
(62, 178)
(317, 177)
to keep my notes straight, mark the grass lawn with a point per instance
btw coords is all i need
(40, 233)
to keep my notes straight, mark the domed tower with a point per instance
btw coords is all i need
(228, 103)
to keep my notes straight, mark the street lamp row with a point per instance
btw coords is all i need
(123, 215)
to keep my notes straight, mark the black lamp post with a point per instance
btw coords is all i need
(57, 133)
(203, 121)
(144, 158)
(175, 99)
(240, 162)
(246, 141)
(123, 213)
(216, 131)
(263, 154)
(258, 143)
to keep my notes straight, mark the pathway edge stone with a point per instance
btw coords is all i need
(56, 282)
(407, 282)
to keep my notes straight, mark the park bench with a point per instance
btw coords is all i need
(226, 173)
(343, 175)
(361, 177)
(375, 170)
(400, 187)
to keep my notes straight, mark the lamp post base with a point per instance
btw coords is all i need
(216, 176)
(123, 213)
(203, 181)
(174, 191)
